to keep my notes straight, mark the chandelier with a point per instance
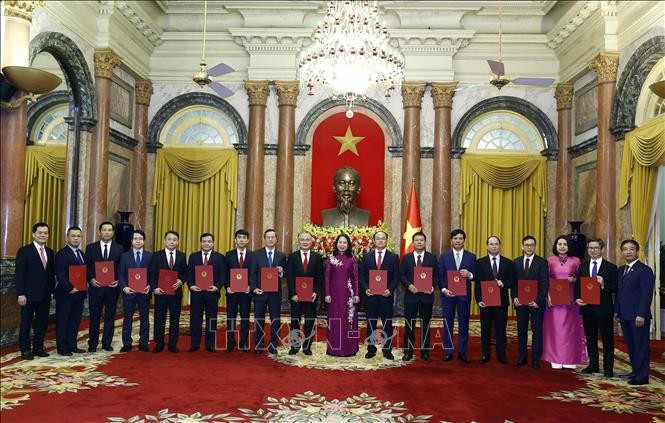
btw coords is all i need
(350, 51)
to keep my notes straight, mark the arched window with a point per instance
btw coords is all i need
(649, 105)
(50, 127)
(502, 131)
(199, 126)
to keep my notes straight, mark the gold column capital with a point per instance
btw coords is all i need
(22, 9)
(258, 92)
(105, 61)
(143, 91)
(287, 92)
(443, 93)
(605, 64)
(564, 96)
(412, 93)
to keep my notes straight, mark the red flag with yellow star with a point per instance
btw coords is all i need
(412, 224)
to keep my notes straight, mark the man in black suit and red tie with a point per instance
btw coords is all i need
(205, 298)
(167, 259)
(303, 263)
(68, 299)
(103, 297)
(35, 282)
(380, 258)
(500, 269)
(415, 302)
(238, 258)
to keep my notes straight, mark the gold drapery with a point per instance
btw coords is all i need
(643, 153)
(195, 191)
(504, 196)
(44, 191)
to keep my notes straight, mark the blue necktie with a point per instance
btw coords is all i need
(138, 258)
(78, 255)
(269, 258)
(594, 269)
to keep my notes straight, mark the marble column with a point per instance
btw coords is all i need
(143, 92)
(564, 186)
(442, 94)
(105, 61)
(257, 91)
(287, 94)
(605, 65)
(412, 97)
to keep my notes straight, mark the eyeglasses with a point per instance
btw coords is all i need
(593, 248)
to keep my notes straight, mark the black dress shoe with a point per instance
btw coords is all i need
(535, 365)
(388, 355)
(521, 362)
(293, 351)
(447, 357)
(40, 353)
(209, 349)
(272, 350)
(158, 349)
(589, 370)
(502, 360)
(78, 350)
(107, 348)
(143, 348)
(65, 353)
(27, 355)
(259, 351)
(407, 357)
(370, 354)
(230, 348)
(629, 376)
(174, 349)
(608, 374)
(307, 352)
(193, 349)
(126, 348)
(484, 359)
(92, 349)
(638, 381)
(426, 358)
(463, 358)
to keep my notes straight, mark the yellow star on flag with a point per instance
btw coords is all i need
(408, 234)
(348, 142)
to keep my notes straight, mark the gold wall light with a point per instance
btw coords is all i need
(29, 80)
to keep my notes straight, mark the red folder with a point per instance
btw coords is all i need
(239, 281)
(422, 278)
(137, 278)
(560, 291)
(203, 277)
(590, 290)
(491, 293)
(305, 288)
(104, 272)
(269, 279)
(167, 278)
(378, 281)
(456, 283)
(527, 291)
(78, 276)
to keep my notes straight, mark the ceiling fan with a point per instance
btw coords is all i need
(203, 76)
(500, 79)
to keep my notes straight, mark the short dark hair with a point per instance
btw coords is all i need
(630, 241)
(106, 222)
(171, 231)
(380, 232)
(140, 232)
(348, 240)
(205, 234)
(456, 232)
(600, 242)
(241, 232)
(269, 230)
(492, 236)
(73, 228)
(528, 237)
(564, 237)
(413, 237)
(40, 225)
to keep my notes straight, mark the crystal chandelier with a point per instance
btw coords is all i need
(350, 52)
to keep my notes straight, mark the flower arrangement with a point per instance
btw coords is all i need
(362, 237)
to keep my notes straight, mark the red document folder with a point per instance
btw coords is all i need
(305, 288)
(137, 278)
(422, 278)
(527, 291)
(490, 293)
(203, 277)
(378, 281)
(104, 272)
(78, 275)
(167, 278)
(456, 283)
(590, 290)
(560, 291)
(239, 281)
(269, 279)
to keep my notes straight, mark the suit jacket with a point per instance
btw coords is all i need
(260, 260)
(63, 259)
(128, 261)
(160, 261)
(93, 254)
(538, 271)
(219, 271)
(233, 263)
(447, 262)
(294, 269)
(635, 292)
(32, 280)
(484, 273)
(389, 263)
(609, 273)
(406, 269)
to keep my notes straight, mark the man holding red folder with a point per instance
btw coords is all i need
(68, 299)
(530, 268)
(238, 258)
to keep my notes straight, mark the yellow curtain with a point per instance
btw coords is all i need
(44, 191)
(195, 191)
(504, 196)
(643, 153)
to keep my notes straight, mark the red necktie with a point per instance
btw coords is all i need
(171, 260)
(305, 263)
(526, 266)
(242, 260)
(379, 261)
(205, 259)
(419, 263)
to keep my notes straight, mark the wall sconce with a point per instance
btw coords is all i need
(30, 80)
(658, 88)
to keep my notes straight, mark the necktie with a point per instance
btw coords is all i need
(42, 255)
(205, 259)
(106, 252)
(269, 258)
(419, 262)
(79, 256)
(138, 258)
(495, 267)
(241, 260)
(305, 263)
(171, 260)
(526, 265)
(458, 259)
(625, 272)
(379, 260)
(594, 269)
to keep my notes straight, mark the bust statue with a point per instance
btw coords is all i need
(346, 185)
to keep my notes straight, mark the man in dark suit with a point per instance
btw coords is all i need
(633, 309)
(68, 299)
(102, 297)
(205, 298)
(136, 258)
(598, 317)
(35, 281)
(465, 261)
(529, 266)
(380, 258)
(239, 257)
(415, 302)
(497, 268)
(303, 263)
(268, 256)
(167, 259)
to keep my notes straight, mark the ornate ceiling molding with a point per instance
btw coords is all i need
(432, 41)
(21, 9)
(575, 22)
(271, 40)
(141, 25)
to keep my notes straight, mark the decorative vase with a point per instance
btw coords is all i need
(576, 239)
(124, 230)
